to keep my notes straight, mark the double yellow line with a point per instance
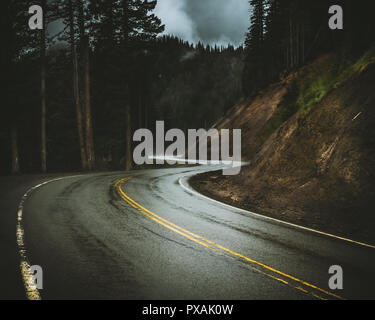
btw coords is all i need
(268, 271)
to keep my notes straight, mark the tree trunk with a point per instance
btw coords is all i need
(298, 45)
(85, 53)
(146, 114)
(146, 108)
(303, 44)
(43, 96)
(291, 42)
(128, 155)
(128, 142)
(140, 110)
(88, 117)
(15, 155)
(76, 89)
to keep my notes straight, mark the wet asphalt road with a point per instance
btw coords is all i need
(92, 244)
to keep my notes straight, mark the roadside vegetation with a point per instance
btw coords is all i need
(313, 82)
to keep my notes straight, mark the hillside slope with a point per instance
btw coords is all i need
(311, 143)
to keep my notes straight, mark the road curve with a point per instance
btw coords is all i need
(140, 235)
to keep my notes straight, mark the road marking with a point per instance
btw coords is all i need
(275, 220)
(214, 246)
(32, 293)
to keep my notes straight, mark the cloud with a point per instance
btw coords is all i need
(210, 21)
(177, 21)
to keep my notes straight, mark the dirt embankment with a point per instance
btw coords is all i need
(312, 166)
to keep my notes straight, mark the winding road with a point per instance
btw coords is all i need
(148, 235)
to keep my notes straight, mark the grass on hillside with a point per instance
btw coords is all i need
(314, 82)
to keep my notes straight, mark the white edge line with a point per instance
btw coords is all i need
(190, 190)
(32, 293)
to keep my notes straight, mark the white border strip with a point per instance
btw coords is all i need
(32, 293)
(190, 190)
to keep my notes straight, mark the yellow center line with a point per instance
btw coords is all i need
(214, 246)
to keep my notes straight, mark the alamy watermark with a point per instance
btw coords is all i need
(336, 21)
(36, 20)
(196, 147)
(36, 277)
(336, 281)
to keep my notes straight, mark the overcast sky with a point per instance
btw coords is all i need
(210, 21)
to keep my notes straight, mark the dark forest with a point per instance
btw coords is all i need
(71, 101)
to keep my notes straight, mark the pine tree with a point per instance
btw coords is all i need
(85, 56)
(72, 39)
(75, 14)
(253, 73)
(283, 35)
(20, 42)
(138, 27)
(255, 36)
(43, 65)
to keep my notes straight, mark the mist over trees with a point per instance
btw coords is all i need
(73, 101)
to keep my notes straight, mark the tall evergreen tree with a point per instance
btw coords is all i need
(123, 31)
(72, 38)
(254, 44)
(85, 57)
(255, 37)
(138, 27)
(284, 34)
(43, 64)
(19, 43)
